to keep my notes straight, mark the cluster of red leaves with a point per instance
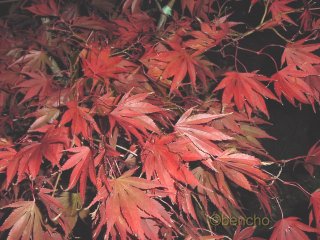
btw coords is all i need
(109, 113)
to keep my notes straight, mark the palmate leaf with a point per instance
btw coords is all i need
(160, 162)
(31, 156)
(44, 8)
(238, 167)
(195, 128)
(126, 206)
(216, 190)
(290, 82)
(279, 11)
(39, 85)
(98, 64)
(315, 208)
(246, 90)
(313, 158)
(131, 114)
(82, 163)
(82, 121)
(301, 56)
(176, 64)
(25, 221)
(290, 229)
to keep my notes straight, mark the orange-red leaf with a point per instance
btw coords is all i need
(82, 121)
(195, 128)
(291, 229)
(25, 221)
(246, 90)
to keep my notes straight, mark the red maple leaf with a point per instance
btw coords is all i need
(301, 56)
(99, 64)
(8, 163)
(25, 221)
(211, 35)
(125, 205)
(289, 82)
(280, 10)
(313, 158)
(245, 234)
(31, 156)
(82, 121)
(216, 190)
(44, 8)
(315, 212)
(246, 90)
(162, 163)
(194, 127)
(38, 85)
(177, 64)
(82, 163)
(291, 229)
(130, 114)
(238, 167)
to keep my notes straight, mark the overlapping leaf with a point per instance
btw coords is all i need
(160, 162)
(126, 205)
(290, 229)
(289, 82)
(301, 56)
(31, 156)
(82, 121)
(315, 208)
(83, 166)
(131, 114)
(279, 10)
(200, 134)
(246, 90)
(24, 221)
(313, 158)
(39, 85)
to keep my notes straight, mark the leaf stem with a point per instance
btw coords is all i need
(56, 183)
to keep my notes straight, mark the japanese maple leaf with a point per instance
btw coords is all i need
(246, 90)
(99, 64)
(238, 167)
(216, 189)
(82, 163)
(211, 35)
(92, 23)
(130, 114)
(301, 56)
(44, 116)
(314, 82)
(290, 229)
(82, 121)
(34, 60)
(8, 163)
(125, 204)
(44, 8)
(50, 146)
(196, 129)
(25, 221)
(289, 82)
(280, 10)
(306, 20)
(315, 212)
(160, 162)
(245, 234)
(129, 30)
(313, 158)
(177, 64)
(39, 85)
